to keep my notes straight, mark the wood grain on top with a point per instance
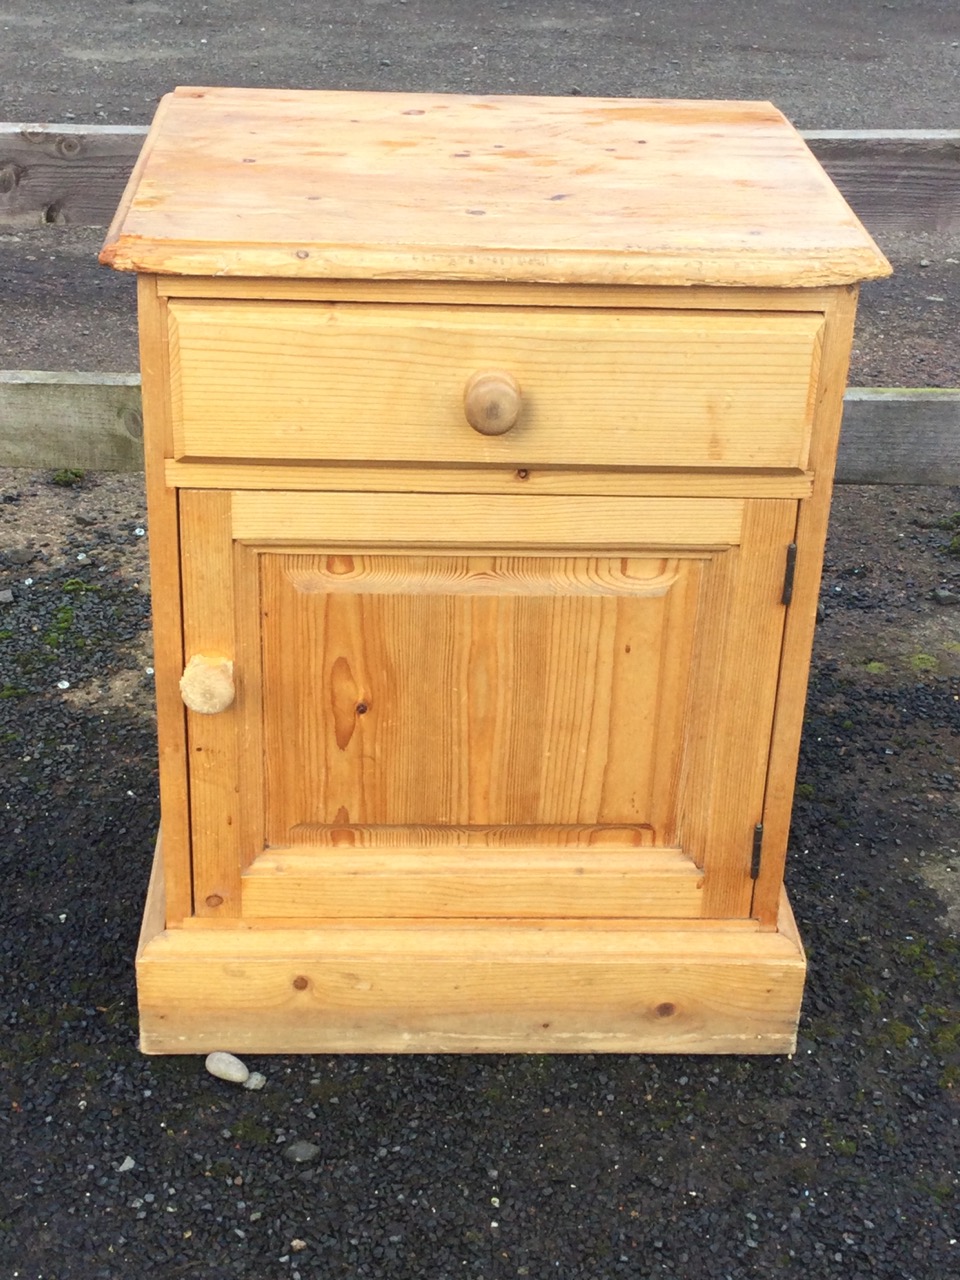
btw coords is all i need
(314, 184)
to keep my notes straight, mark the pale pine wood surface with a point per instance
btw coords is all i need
(901, 180)
(165, 604)
(473, 692)
(463, 883)
(503, 293)
(487, 520)
(351, 381)
(249, 830)
(523, 986)
(411, 479)
(811, 536)
(735, 771)
(213, 743)
(155, 906)
(293, 924)
(420, 186)
(520, 710)
(411, 701)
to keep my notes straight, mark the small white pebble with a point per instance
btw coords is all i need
(148, 670)
(225, 1066)
(139, 531)
(83, 558)
(63, 684)
(28, 582)
(298, 1246)
(128, 1164)
(255, 1080)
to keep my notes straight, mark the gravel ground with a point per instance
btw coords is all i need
(862, 64)
(839, 1162)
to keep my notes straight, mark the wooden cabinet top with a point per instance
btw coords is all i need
(315, 184)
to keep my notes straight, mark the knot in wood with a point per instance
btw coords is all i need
(68, 146)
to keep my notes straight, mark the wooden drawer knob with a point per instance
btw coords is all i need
(207, 684)
(491, 401)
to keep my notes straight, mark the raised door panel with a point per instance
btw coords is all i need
(462, 735)
(420, 731)
(472, 694)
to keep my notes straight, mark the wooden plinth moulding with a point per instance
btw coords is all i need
(488, 457)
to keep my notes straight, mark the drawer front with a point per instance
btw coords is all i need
(355, 382)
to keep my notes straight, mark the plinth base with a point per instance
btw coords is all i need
(468, 986)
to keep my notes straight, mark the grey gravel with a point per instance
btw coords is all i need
(840, 1164)
(6, 596)
(944, 596)
(590, 1157)
(593, 1159)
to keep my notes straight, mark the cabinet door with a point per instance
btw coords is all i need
(454, 706)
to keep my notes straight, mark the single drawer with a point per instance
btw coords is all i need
(355, 382)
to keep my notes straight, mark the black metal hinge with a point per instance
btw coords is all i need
(790, 570)
(757, 848)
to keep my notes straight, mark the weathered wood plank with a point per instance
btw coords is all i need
(900, 435)
(891, 435)
(899, 181)
(84, 420)
(64, 173)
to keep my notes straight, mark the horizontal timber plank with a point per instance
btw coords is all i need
(89, 421)
(92, 421)
(900, 435)
(528, 883)
(494, 520)
(426, 479)
(64, 173)
(461, 989)
(899, 181)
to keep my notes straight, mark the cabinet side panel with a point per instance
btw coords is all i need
(165, 596)
(802, 613)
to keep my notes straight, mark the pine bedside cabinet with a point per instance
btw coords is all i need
(489, 455)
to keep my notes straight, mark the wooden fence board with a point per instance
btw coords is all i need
(901, 181)
(906, 181)
(88, 421)
(64, 173)
(900, 435)
(897, 435)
